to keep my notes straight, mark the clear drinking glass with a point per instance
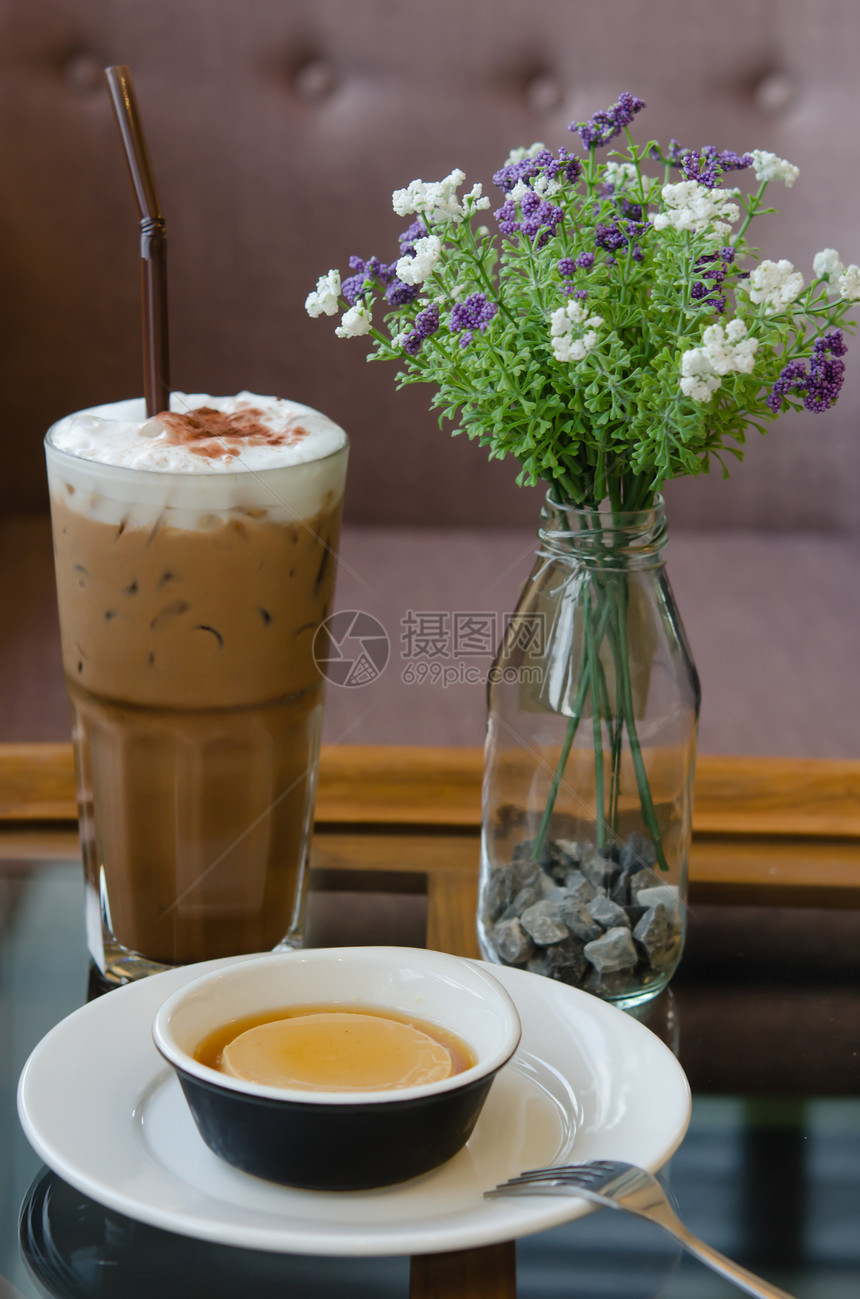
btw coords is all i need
(589, 762)
(188, 608)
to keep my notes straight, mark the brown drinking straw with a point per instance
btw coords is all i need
(153, 240)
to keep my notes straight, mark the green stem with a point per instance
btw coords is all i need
(628, 710)
(616, 727)
(572, 727)
(597, 721)
(751, 211)
(474, 256)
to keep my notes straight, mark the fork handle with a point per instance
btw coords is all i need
(748, 1281)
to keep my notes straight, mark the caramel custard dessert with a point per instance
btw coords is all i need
(329, 1048)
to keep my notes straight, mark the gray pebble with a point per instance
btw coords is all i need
(578, 888)
(543, 923)
(526, 874)
(661, 894)
(637, 852)
(566, 961)
(645, 879)
(572, 848)
(526, 898)
(606, 912)
(614, 951)
(499, 890)
(652, 932)
(595, 867)
(512, 943)
(580, 922)
(620, 890)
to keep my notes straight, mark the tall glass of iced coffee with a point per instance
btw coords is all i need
(195, 558)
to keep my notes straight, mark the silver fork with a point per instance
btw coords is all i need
(624, 1186)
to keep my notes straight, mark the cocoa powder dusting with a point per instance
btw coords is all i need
(208, 432)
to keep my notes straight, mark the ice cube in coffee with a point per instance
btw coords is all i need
(195, 560)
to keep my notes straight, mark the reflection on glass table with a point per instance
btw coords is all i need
(765, 1019)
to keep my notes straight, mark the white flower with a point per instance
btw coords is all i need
(620, 174)
(354, 322)
(767, 166)
(475, 200)
(725, 350)
(545, 186)
(691, 206)
(776, 284)
(437, 201)
(849, 282)
(563, 322)
(519, 155)
(728, 349)
(414, 270)
(324, 299)
(827, 265)
(697, 375)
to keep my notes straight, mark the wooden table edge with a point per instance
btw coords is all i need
(429, 785)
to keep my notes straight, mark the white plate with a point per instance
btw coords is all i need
(103, 1110)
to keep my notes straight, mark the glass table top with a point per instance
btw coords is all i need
(764, 1015)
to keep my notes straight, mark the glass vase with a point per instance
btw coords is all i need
(589, 762)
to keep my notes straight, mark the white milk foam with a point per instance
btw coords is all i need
(112, 464)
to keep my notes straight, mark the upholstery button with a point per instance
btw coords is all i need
(84, 72)
(543, 92)
(775, 92)
(314, 80)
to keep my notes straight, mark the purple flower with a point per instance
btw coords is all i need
(512, 172)
(823, 381)
(792, 376)
(355, 286)
(566, 266)
(711, 266)
(610, 237)
(605, 125)
(427, 321)
(506, 216)
(707, 165)
(399, 294)
(618, 236)
(540, 219)
(580, 293)
(426, 324)
(475, 313)
(833, 342)
(585, 261)
(417, 230)
(542, 164)
(826, 373)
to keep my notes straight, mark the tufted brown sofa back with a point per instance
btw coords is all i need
(278, 130)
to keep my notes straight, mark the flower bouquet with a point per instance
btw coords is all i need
(611, 330)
